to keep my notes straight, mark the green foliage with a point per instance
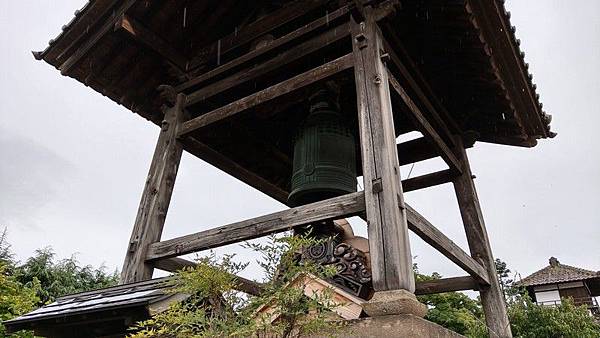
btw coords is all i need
(40, 280)
(6, 256)
(530, 320)
(60, 278)
(462, 314)
(215, 309)
(15, 299)
(453, 310)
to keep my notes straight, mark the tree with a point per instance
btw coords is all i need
(531, 320)
(40, 280)
(60, 278)
(215, 309)
(6, 255)
(453, 310)
(15, 299)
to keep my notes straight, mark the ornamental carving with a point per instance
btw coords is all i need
(352, 274)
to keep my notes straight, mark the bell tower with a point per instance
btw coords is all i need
(298, 98)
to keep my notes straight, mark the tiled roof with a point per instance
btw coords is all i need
(472, 38)
(558, 273)
(126, 295)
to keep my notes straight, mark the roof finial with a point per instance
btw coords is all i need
(554, 262)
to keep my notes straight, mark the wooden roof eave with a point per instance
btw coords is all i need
(491, 19)
(84, 20)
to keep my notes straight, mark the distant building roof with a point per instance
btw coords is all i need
(556, 272)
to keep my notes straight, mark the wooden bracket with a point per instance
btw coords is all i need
(376, 185)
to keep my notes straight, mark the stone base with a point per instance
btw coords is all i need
(394, 302)
(393, 326)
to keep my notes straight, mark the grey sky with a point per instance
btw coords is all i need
(73, 163)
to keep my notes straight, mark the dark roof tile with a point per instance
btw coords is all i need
(558, 273)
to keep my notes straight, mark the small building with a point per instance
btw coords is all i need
(559, 281)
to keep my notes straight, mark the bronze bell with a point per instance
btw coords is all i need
(324, 163)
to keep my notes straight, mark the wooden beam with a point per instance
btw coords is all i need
(334, 208)
(106, 27)
(492, 297)
(490, 21)
(242, 284)
(156, 197)
(446, 285)
(267, 94)
(425, 127)
(227, 165)
(255, 29)
(428, 180)
(253, 72)
(416, 150)
(324, 21)
(432, 236)
(152, 40)
(419, 149)
(173, 264)
(419, 85)
(391, 259)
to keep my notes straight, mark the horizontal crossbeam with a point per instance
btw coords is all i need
(434, 237)
(419, 86)
(241, 284)
(428, 180)
(254, 72)
(425, 127)
(255, 29)
(334, 208)
(446, 285)
(324, 21)
(270, 93)
(416, 150)
(254, 288)
(224, 163)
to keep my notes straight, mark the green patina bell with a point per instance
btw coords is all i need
(324, 164)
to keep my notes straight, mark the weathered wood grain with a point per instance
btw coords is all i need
(327, 20)
(334, 208)
(254, 30)
(432, 236)
(391, 259)
(419, 149)
(156, 197)
(267, 94)
(492, 298)
(428, 180)
(446, 285)
(286, 57)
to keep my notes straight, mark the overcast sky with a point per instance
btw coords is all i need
(73, 163)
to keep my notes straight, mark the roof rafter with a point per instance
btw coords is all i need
(147, 37)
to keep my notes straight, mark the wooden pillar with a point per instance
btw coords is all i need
(389, 247)
(156, 197)
(492, 298)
